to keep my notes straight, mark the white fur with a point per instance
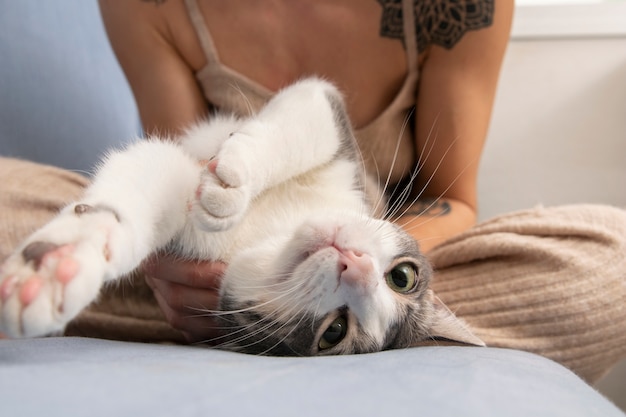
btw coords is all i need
(319, 288)
(274, 195)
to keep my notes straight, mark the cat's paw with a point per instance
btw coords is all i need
(55, 274)
(223, 196)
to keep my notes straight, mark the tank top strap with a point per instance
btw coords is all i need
(410, 37)
(199, 24)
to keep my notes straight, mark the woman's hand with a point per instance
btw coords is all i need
(184, 289)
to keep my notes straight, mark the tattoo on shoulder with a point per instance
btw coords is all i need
(437, 22)
(430, 207)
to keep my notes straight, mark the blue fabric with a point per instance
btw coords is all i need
(63, 97)
(88, 377)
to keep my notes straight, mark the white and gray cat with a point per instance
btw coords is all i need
(281, 198)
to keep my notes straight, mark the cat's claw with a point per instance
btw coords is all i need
(54, 276)
(222, 197)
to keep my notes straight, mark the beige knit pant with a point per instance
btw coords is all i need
(549, 280)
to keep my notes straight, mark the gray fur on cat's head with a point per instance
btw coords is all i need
(299, 300)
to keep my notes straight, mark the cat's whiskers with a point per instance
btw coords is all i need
(430, 218)
(425, 153)
(293, 328)
(252, 329)
(382, 194)
(216, 313)
(370, 207)
(285, 307)
(418, 220)
(243, 329)
(245, 99)
(287, 313)
(395, 154)
(285, 318)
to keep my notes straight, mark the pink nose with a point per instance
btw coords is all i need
(355, 268)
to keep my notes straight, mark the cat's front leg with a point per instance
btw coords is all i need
(137, 203)
(57, 271)
(303, 127)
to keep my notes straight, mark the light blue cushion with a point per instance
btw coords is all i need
(63, 97)
(88, 377)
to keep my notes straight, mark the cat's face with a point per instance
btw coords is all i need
(341, 283)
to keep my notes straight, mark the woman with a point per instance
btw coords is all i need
(419, 76)
(429, 89)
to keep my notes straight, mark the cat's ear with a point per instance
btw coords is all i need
(449, 327)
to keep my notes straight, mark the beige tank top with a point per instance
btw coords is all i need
(231, 91)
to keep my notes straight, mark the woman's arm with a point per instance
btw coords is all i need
(454, 103)
(167, 94)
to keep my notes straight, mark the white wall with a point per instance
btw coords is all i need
(558, 133)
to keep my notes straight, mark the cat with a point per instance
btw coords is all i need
(282, 198)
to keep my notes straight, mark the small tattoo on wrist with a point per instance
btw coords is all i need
(430, 207)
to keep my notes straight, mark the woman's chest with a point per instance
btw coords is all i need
(275, 43)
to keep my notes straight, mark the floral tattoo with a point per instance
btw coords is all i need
(437, 22)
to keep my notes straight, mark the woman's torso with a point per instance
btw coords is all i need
(251, 49)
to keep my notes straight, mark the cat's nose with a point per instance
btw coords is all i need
(355, 268)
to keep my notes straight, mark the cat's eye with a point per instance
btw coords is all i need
(402, 278)
(334, 333)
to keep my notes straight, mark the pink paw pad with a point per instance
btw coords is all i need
(60, 262)
(66, 270)
(212, 166)
(7, 287)
(30, 289)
